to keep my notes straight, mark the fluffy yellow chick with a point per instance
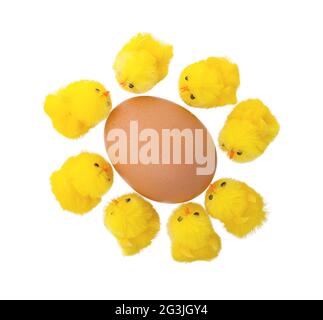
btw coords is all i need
(76, 109)
(240, 208)
(142, 63)
(209, 83)
(248, 131)
(192, 234)
(81, 182)
(133, 221)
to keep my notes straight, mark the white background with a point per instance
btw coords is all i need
(47, 253)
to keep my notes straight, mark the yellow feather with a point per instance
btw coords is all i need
(142, 63)
(239, 207)
(76, 109)
(133, 221)
(248, 131)
(81, 182)
(209, 83)
(192, 234)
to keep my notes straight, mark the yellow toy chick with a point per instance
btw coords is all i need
(81, 182)
(133, 221)
(192, 235)
(76, 109)
(240, 208)
(209, 83)
(142, 63)
(248, 131)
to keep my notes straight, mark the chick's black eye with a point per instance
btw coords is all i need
(180, 219)
(97, 90)
(210, 197)
(186, 78)
(239, 153)
(192, 97)
(128, 200)
(131, 86)
(97, 165)
(223, 184)
(196, 214)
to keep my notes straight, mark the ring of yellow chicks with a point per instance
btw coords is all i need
(83, 180)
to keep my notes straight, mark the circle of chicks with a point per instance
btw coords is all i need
(84, 179)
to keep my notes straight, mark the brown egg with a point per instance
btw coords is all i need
(160, 149)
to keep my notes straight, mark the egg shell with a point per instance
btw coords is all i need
(168, 183)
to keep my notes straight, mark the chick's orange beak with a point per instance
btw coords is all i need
(115, 201)
(212, 187)
(106, 94)
(183, 89)
(231, 154)
(122, 84)
(106, 168)
(186, 212)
